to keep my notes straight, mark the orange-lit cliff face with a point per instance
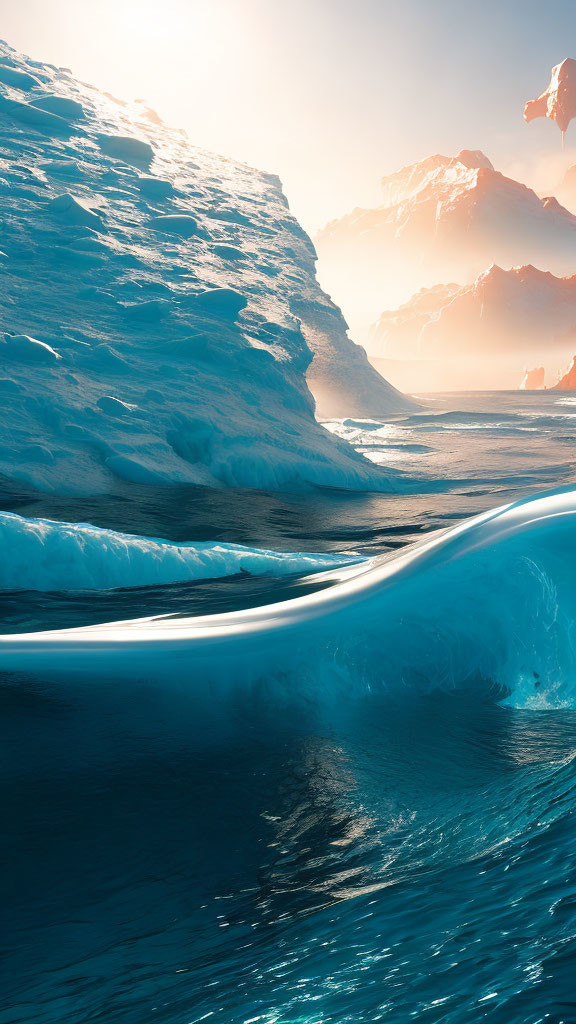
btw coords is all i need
(568, 380)
(483, 335)
(534, 379)
(443, 222)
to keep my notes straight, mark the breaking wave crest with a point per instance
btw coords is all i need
(489, 602)
(42, 555)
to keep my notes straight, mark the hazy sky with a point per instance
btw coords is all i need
(330, 94)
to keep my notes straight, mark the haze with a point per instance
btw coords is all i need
(329, 95)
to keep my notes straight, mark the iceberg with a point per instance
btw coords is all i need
(162, 318)
(43, 555)
(491, 601)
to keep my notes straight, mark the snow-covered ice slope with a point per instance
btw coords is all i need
(39, 554)
(151, 301)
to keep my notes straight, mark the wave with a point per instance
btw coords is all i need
(44, 555)
(499, 422)
(490, 600)
(460, 416)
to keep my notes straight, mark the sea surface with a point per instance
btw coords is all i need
(411, 857)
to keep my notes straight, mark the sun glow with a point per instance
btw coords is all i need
(197, 28)
(177, 54)
(162, 50)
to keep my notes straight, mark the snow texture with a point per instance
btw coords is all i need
(159, 306)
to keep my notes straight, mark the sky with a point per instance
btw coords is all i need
(329, 94)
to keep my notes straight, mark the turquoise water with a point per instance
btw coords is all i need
(408, 854)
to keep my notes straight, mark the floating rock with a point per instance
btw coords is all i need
(559, 101)
(24, 349)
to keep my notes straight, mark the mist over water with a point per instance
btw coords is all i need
(315, 850)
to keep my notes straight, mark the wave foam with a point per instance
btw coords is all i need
(39, 554)
(492, 599)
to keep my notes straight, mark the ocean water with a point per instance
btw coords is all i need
(281, 853)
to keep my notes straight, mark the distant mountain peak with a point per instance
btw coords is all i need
(445, 218)
(404, 183)
(503, 321)
(474, 158)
